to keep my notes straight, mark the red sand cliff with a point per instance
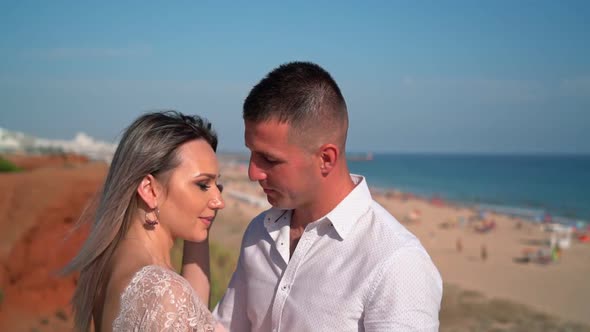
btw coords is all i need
(38, 209)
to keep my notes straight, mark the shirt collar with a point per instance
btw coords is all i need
(275, 218)
(345, 215)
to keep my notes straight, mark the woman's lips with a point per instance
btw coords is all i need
(206, 220)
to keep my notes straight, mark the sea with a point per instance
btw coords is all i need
(537, 187)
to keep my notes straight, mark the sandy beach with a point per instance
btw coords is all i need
(560, 288)
(487, 288)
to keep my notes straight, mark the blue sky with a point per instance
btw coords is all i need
(418, 76)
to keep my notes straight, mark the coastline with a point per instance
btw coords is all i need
(533, 215)
(531, 186)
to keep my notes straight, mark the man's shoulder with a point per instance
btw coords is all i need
(386, 230)
(391, 242)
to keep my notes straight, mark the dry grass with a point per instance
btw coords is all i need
(463, 311)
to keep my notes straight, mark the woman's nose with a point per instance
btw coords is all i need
(217, 203)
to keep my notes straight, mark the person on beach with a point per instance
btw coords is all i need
(161, 185)
(326, 256)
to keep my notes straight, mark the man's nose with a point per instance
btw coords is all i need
(254, 172)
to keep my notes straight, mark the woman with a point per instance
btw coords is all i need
(162, 185)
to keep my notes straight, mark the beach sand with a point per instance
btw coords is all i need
(489, 292)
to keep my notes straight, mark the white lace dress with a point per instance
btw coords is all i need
(158, 299)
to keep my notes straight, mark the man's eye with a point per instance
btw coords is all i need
(270, 160)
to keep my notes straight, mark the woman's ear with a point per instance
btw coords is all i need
(148, 190)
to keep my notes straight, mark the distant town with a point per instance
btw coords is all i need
(81, 144)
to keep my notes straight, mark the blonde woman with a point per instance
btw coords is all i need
(161, 185)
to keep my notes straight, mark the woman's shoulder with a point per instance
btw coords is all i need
(158, 296)
(154, 272)
(158, 280)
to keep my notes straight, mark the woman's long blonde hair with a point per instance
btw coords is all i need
(148, 146)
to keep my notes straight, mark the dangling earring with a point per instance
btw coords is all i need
(152, 222)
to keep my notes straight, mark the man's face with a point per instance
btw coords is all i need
(285, 171)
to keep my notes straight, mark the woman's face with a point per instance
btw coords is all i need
(193, 197)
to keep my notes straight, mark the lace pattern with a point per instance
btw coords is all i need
(158, 299)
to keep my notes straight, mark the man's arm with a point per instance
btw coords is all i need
(196, 267)
(406, 294)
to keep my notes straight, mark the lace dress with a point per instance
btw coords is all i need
(158, 299)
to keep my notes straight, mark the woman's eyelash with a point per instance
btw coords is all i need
(204, 186)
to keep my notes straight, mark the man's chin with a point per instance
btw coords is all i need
(279, 204)
(274, 202)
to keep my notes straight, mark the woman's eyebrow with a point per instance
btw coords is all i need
(209, 175)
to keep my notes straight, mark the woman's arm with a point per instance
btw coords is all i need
(196, 267)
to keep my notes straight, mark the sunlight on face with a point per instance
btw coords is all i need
(284, 170)
(193, 197)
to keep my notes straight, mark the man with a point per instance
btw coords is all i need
(325, 257)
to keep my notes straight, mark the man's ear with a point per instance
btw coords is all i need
(149, 190)
(329, 154)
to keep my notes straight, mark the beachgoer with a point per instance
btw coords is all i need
(484, 252)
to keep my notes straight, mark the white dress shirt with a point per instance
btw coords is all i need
(355, 269)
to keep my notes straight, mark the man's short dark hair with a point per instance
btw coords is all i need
(303, 95)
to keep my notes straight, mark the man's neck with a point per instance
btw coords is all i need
(327, 198)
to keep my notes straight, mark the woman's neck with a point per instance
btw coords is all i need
(152, 243)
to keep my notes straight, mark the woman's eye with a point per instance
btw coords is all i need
(203, 186)
(220, 187)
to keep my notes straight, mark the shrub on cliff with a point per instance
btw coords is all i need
(8, 166)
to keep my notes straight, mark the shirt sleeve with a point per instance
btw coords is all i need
(231, 311)
(406, 294)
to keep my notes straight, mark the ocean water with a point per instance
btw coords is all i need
(525, 185)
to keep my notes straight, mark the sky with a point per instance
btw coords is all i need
(418, 76)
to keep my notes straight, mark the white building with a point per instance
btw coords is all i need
(82, 144)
